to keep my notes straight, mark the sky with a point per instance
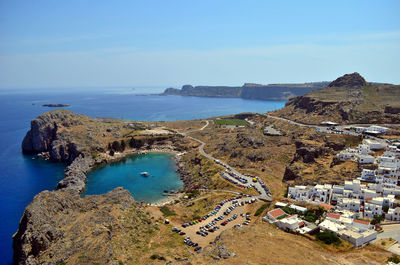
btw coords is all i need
(95, 43)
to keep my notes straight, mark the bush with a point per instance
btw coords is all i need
(123, 145)
(377, 219)
(111, 152)
(166, 211)
(328, 238)
(261, 209)
(116, 146)
(394, 259)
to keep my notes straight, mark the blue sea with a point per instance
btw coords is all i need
(22, 176)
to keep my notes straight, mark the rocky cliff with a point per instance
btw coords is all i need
(60, 226)
(83, 142)
(62, 134)
(247, 91)
(349, 99)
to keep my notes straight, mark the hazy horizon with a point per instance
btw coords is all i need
(48, 44)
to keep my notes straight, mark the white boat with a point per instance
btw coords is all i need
(145, 174)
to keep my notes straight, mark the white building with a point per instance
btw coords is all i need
(393, 214)
(290, 223)
(371, 209)
(365, 159)
(350, 204)
(377, 128)
(364, 149)
(358, 239)
(374, 145)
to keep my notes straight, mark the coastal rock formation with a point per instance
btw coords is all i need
(60, 226)
(75, 174)
(62, 134)
(247, 91)
(348, 99)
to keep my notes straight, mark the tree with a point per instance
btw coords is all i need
(123, 145)
(395, 259)
(111, 152)
(109, 146)
(116, 146)
(328, 238)
(132, 143)
(377, 219)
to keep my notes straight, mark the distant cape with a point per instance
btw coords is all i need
(248, 91)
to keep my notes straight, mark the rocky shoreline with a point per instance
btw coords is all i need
(49, 140)
(62, 135)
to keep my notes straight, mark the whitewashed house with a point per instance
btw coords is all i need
(371, 209)
(358, 239)
(365, 159)
(350, 204)
(393, 214)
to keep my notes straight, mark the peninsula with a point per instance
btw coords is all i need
(248, 91)
(235, 177)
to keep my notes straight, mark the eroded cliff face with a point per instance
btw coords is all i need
(61, 133)
(60, 226)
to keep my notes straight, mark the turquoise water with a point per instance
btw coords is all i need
(162, 176)
(21, 177)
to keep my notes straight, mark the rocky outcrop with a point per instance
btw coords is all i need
(75, 174)
(308, 153)
(349, 80)
(349, 99)
(60, 224)
(49, 133)
(392, 110)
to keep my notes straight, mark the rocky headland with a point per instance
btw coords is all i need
(347, 100)
(58, 225)
(247, 91)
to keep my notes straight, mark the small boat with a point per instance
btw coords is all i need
(145, 174)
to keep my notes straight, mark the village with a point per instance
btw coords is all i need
(357, 210)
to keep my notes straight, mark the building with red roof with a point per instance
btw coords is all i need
(275, 214)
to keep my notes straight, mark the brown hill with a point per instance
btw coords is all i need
(348, 99)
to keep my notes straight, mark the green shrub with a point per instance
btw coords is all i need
(394, 259)
(377, 219)
(235, 122)
(328, 238)
(261, 209)
(166, 211)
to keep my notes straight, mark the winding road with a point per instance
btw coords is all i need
(263, 195)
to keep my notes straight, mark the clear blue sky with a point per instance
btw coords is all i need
(171, 43)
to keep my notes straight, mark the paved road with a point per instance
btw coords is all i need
(325, 129)
(262, 193)
(390, 231)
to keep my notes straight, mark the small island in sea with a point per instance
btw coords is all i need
(56, 105)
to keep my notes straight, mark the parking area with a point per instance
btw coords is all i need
(231, 213)
(390, 231)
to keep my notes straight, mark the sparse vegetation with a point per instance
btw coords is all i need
(261, 209)
(166, 211)
(394, 259)
(234, 122)
(328, 238)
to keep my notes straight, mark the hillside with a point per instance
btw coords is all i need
(349, 99)
(247, 91)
